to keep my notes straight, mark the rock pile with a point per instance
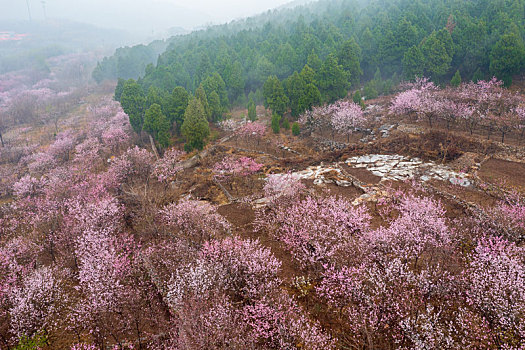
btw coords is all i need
(401, 168)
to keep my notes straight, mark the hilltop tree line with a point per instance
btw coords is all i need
(399, 37)
(320, 52)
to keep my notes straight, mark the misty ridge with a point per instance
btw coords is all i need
(32, 30)
(273, 175)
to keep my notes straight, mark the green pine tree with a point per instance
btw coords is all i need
(349, 57)
(276, 119)
(215, 106)
(332, 79)
(176, 105)
(296, 130)
(456, 79)
(157, 125)
(274, 95)
(132, 101)
(200, 94)
(195, 127)
(286, 123)
(507, 57)
(252, 110)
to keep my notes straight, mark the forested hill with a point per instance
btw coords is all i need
(294, 58)
(431, 37)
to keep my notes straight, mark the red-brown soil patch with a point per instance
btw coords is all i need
(238, 214)
(362, 174)
(349, 193)
(503, 172)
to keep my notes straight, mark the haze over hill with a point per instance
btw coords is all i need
(145, 16)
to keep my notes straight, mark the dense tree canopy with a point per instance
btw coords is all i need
(451, 35)
(297, 58)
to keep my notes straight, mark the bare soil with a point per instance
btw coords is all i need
(503, 173)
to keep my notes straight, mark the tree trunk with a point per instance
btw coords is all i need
(153, 147)
(224, 190)
(2, 140)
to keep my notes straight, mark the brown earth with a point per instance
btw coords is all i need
(503, 173)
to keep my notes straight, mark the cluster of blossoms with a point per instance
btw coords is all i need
(342, 117)
(346, 116)
(169, 166)
(508, 217)
(229, 125)
(484, 103)
(196, 220)
(406, 283)
(233, 166)
(317, 230)
(252, 129)
(283, 187)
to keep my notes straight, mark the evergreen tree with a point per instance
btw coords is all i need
(274, 96)
(155, 96)
(235, 81)
(295, 90)
(437, 52)
(296, 130)
(456, 79)
(276, 120)
(413, 63)
(215, 83)
(252, 110)
(195, 127)
(204, 69)
(332, 79)
(507, 57)
(263, 70)
(314, 61)
(132, 101)
(286, 123)
(176, 106)
(308, 75)
(349, 57)
(215, 106)
(200, 94)
(163, 136)
(312, 96)
(119, 89)
(157, 125)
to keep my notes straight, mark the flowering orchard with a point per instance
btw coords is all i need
(87, 259)
(342, 117)
(486, 106)
(105, 245)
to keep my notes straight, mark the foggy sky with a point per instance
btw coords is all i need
(138, 15)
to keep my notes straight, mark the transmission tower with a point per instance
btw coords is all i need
(44, 8)
(28, 10)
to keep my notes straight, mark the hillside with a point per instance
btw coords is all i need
(402, 37)
(210, 204)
